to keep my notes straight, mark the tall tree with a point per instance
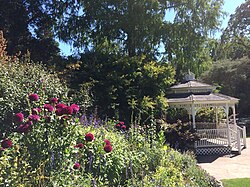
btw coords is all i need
(27, 25)
(139, 27)
(235, 40)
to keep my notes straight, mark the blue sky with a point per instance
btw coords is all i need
(229, 7)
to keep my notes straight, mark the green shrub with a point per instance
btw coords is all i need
(18, 79)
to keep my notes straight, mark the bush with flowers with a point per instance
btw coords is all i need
(53, 145)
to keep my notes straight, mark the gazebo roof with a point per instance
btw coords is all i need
(200, 94)
(205, 98)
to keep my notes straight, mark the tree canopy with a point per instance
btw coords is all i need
(142, 27)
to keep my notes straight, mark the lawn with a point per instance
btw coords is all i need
(243, 182)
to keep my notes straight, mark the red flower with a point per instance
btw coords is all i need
(24, 128)
(75, 108)
(48, 107)
(47, 119)
(76, 165)
(67, 110)
(117, 126)
(124, 127)
(35, 111)
(19, 117)
(59, 112)
(61, 105)
(79, 145)
(33, 97)
(107, 142)
(107, 148)
(34, 118)
(53, 101)
(6, 143)
(89, 137)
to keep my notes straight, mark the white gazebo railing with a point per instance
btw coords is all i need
(236, 139)
(212, 137)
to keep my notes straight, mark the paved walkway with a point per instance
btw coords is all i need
(228, 167)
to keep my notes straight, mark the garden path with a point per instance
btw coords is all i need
(229, 166)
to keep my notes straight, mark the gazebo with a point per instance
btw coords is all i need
(222, 136)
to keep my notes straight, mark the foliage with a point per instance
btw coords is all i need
(180, 136)
(20, 77)
(209, 115)
(115, 81)
(236, 182)
(135, 28)
(234, 43)
(230, 76)
(27, 26)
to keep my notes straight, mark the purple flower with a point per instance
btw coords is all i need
(33, 118)
(6, 143)
(33, 97)
(107, 142)
(48, 107)
(53, 100)
(19, 117)
(35, 111)
(107, 148)
(89, 137)
(75, 108)
(76, 165)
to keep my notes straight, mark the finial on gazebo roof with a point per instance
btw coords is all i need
(190, 76)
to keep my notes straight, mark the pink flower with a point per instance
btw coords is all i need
(34, 117)
(48, 107)
(121, 122)
(53, 100)
(76, 165)
(19, 117)
(124, 127)
(89, 137)
(75, 108)
(79, 145)
(6, 143)
(107, 142)
(107, 148)
(33, 97)
(35, 111)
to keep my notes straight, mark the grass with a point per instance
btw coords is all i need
(243, 182)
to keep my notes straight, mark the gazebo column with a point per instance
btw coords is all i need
(234, 116)
(193, 115)
(228, 128)
(216, 117)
